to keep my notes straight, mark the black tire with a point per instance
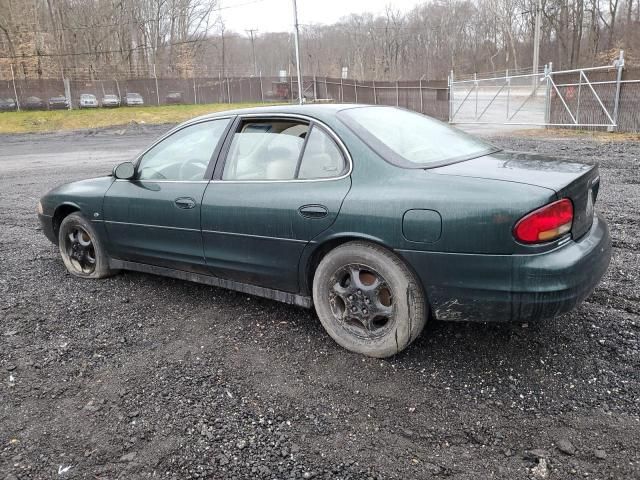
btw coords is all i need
(81, 248)
(368, 300)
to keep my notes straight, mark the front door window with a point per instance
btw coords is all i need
(183, 156)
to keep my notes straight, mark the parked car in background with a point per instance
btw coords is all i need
(379, 217)
(88, 100)
(133, 99)
(7, 104)
(34, 103)
(174, 98)
(111, 100)
(59, 102)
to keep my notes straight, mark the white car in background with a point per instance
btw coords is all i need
(87, 100)
(133, 99)
(110, 100)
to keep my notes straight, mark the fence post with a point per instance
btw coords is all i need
(155, 77)
(397, 94)
(355, 89)
(341, 90)
(67, 91)
(195, 92)
(118, 89)
(291, 86)
(620, 65)
(475, 85)
(261, 90)
(548, 69)
(508, 81)
(421, 99)
(228, 91)
(315, 89)
(450, 81)
(15, 91)
(375, 95)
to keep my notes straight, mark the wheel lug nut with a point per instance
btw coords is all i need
(350, 297)
(364, 311)
(354, 309)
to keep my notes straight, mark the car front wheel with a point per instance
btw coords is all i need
(368, 300)
(81, 249)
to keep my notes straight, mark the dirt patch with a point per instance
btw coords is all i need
(140, 376)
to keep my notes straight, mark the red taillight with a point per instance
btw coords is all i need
(546, 223)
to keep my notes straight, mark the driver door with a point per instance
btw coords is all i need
(155, 217)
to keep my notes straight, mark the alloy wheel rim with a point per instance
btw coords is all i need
(361, 301)
(80, 250)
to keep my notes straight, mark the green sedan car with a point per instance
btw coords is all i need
(378, 217)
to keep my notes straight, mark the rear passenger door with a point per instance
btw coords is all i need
(280, 183)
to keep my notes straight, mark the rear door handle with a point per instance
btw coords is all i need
(313, 211)
(185, 203)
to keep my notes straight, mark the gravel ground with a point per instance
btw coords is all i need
(140, 376)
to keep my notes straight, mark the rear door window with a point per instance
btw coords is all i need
(322, 157)
(265, 150)
(282, 149)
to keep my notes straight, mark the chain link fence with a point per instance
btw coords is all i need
(431, 97)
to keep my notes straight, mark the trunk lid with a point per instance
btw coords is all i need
(577, 181)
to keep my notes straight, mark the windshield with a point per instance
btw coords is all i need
(412, 140)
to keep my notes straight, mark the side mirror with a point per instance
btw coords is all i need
(124, 171)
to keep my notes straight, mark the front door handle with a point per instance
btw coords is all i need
(313, 211)
(185, 203)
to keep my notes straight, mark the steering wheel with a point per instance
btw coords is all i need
(192, 169)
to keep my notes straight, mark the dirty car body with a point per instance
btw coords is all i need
(457, 212)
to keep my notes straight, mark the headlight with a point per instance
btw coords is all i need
(40, 211)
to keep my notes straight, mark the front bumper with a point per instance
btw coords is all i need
(470, 287)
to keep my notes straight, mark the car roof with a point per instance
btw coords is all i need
(311, 110)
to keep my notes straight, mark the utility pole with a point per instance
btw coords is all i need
(253, 50)
(222, 29)
(536, 41)
(297, 34)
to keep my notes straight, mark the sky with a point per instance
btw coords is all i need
(277, 15)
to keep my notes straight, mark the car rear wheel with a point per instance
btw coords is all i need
(81, 248)
(368, 300)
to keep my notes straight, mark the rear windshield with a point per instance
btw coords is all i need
(412, 140)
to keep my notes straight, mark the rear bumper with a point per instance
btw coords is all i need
(470, 287)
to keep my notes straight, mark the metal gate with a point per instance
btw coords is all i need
(585, 97)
